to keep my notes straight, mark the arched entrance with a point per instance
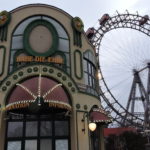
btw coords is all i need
(37, 120)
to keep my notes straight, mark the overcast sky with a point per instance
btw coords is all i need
(88, 10)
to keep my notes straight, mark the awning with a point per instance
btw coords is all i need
(98, 115)
(38, 90)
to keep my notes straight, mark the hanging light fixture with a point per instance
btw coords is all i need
(92, 126)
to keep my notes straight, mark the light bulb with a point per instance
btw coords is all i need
(92, 126)
(99, 75)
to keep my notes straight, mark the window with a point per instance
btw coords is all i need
(90, 72)
(18, 49)
(31, 132)
(11, 145)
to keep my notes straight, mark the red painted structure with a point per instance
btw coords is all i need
(117, 131)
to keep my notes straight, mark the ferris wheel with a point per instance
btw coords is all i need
(123, 49)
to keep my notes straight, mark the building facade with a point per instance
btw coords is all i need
(49, 90)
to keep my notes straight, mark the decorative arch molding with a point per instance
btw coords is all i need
(34, 70)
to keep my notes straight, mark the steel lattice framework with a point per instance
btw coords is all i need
(126, 20)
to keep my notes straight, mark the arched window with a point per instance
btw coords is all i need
(90, 72)
(18, 44)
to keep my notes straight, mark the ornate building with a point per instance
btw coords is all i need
(49, 91)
